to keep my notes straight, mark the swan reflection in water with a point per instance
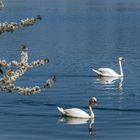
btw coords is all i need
(111, 80)
(78, 121)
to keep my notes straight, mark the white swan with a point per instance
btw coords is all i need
(78, 113)
(109, 72)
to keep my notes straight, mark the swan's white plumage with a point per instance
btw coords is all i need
(106, 72)
(109, 72)
(74, 112)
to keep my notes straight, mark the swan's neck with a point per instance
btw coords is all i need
(121, 71)
(91, 112)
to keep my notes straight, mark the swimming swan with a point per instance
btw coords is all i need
(78, 113)
(109, 72)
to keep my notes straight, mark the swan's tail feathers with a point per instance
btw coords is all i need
(96, 71)
(61, 110)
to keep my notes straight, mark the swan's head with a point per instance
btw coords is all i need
(121, 59)
(92, 101)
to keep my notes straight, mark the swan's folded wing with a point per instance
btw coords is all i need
(76, 112)
(107, 72)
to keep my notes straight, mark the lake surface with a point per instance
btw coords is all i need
(76, 35)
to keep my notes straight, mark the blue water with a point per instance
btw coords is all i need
(75, 35)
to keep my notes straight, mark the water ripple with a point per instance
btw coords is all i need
(118, 109)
